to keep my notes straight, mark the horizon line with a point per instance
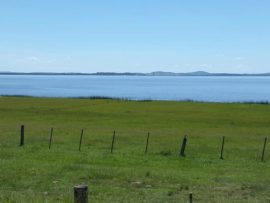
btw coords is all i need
(131, 73)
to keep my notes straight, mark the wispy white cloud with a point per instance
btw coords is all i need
(32, 59)
(239, 58)
(51, 61)
(176, 66)
(205, 65)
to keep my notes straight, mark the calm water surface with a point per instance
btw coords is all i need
(217, 89)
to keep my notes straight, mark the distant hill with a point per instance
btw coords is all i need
(197, 73)
(203, 73)
(156, 73)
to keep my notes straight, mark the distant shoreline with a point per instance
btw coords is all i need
(137, 100)
(157, 73)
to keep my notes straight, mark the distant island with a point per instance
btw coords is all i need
(156, 73)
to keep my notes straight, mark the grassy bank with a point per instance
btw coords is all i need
(33, 173)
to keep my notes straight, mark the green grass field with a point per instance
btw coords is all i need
(33, 173)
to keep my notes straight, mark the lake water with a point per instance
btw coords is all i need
(216, 89)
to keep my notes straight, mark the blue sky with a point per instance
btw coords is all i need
(135, 36)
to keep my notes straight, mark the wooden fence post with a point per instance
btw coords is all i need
(183, 147)
(50, 141)
(146, 146)
(113, 141)
(190, 198)
(81, 140)
(81, 194)
(263, 151)
(22, 136)
(222, 147)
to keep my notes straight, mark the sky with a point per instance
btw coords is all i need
(88, 36)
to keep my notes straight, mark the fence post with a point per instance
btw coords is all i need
(22, 136)
(263, 151)
(113, 141)
(81, 140)
(50, 142)
(183, 147)
(81, 194)
(190, 198)
(146, 146)
(222, 147)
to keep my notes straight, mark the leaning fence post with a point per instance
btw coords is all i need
(81, 140)
(183, 147)
(22, 136)
(81, 194)
(263, 151)
(146, 146)
(222, 147)
(113, 141)
(50, 142)
(190, 198)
